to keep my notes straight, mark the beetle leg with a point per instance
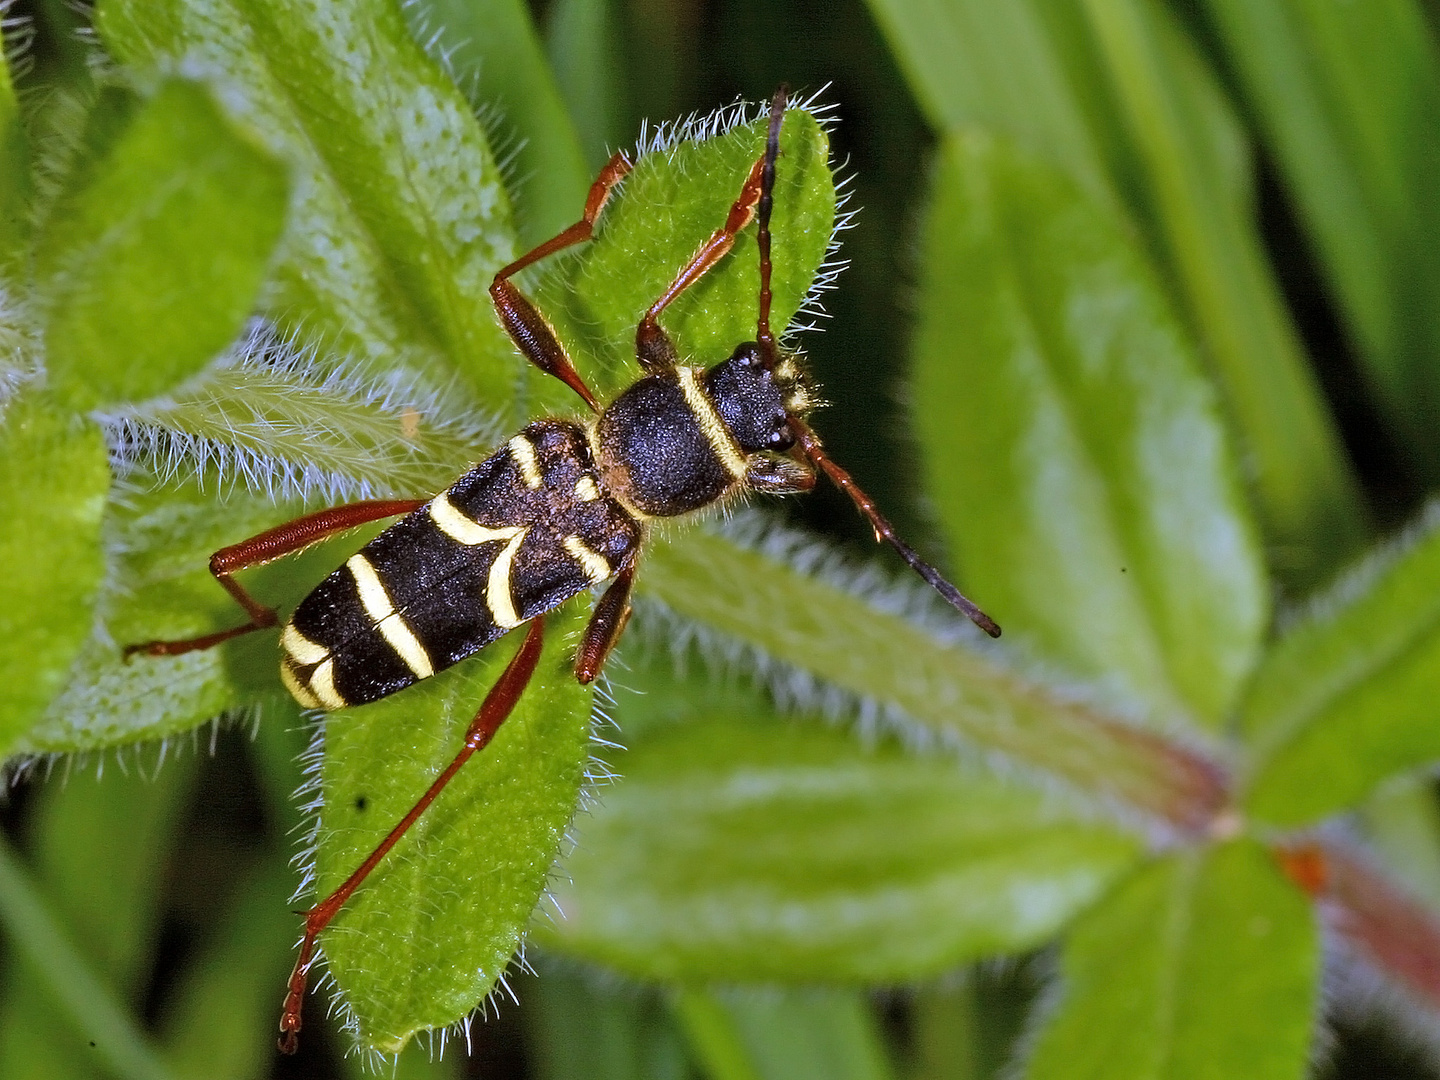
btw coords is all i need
(266, 547)
(607, 623)
(653, 347)
(497, 706)
(527, 328)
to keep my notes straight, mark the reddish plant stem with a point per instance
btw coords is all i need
(1374, 915)
(1194, 792)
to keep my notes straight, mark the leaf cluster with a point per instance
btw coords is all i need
(244, 253)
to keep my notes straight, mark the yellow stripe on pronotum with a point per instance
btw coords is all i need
(710, 423)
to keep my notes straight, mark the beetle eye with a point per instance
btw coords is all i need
(780, 440)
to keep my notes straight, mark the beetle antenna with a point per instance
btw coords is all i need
(809, 444)
(763, 335)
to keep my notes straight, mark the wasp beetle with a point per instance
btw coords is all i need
(563, 506)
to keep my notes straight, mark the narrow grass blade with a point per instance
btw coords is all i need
(584, 44)
(96, 843)
(1348, 97)
(1196, 191)
(579, 1028)
(818, 1034)
(92, 1008)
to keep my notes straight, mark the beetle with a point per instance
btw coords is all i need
(563, 506)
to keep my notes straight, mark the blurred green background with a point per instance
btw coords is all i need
(1138, 337)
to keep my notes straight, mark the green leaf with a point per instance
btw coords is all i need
(219, 1023)
(586, 51)
(219, 1020)
(253, 414)
(435, 926)
(96, 843)
(492, 51)
(954, 1035)
(1202, 965)
(742, 848)
(75, 134)
(1074, 449)
(1113, 94)
(15, 180)
(54, 477)
(1349, 692)
(1348, 96)
(114, 1037)
(784, 1034)
(160, 587)
(1195, 189)
(1006, 68)
(832, 636)
(401, 219)
(156, 263)
(668, 206)
(580, 1029)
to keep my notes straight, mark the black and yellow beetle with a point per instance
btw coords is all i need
(563, 506)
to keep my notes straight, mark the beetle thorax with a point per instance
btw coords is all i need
(682, 439)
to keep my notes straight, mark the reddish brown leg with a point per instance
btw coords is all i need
(267, 547)
(653, 347)
(498, 704)
(809, 444)
(606, 624)
(525, 325)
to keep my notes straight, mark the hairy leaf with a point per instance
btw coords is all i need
(673, 200)
(1202, 965)
(831, 635)
(1080, 465)
(159, 587)
(401, 217)
(53, 481)
(156, 262)
(291, 424)
(491, 50)
(1196, 183)
(1350, 692)
(741, 848)
(433, 928)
